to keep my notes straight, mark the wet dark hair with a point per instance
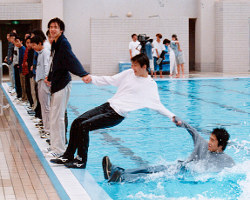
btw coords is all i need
(59, 22)
(37, 39)
(166, 41)
(133, 35)
(159, 35)
(39, 33)
(175, 36)
(222, 136)
(142, 59)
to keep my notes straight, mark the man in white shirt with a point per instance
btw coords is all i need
(158, 47)
(136, 90)
(134, 46)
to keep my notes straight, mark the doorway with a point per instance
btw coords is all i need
(21, 26)
(192, 22)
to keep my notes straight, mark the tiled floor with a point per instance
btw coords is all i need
(21, 173)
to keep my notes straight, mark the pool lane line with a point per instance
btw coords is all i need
(125, 151)
(230, 108)
(236, 91)
(56, 183)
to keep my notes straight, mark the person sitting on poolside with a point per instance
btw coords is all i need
(136, 90)
(208, 155)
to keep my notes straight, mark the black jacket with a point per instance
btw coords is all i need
(64, 61)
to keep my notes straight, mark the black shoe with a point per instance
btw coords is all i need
(76, 163)
(48, 141)
(60, 160)
(116, 177)
(106, 166)
(31, 112)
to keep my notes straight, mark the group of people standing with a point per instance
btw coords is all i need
(45, 67)
(41, 80)
(157, 50)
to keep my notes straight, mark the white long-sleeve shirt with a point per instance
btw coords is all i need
(133, 93)
(42, 68)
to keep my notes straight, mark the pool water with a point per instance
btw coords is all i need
(147, 138)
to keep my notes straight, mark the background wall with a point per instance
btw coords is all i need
(232, 36)
(110, 39)
(78, 14)
(221, 28)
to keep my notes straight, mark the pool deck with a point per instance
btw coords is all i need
(26, 173)
(22, 155)
(22, 175)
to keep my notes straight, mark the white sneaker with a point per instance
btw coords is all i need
(47, 150)
(52, 154)
(44, 135)
(25, 103)
(36, 120)
(10, 89)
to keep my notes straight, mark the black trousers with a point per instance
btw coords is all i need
(38, 107)
(17, 82)
(28, 89)
(100, 117)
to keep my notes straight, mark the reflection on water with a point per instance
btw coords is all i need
(144, 134)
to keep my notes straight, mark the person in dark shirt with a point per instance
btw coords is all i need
(63, 62)
(207, 154)
(18, 68)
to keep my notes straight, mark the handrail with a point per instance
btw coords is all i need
(1, 67)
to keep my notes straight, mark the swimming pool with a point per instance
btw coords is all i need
(148, 138)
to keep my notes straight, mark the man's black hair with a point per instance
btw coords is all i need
(39, 33)
(59, 22)
(142, 59)
(159, 35)
(37, 39)
(28, 38)
(19, 38)
(133, 35)
(175, 36)
(12, 34)
(222, 136)
(166, 41)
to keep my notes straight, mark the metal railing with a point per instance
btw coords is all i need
(1, 66)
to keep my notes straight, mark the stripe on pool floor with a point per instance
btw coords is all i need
(230, 108)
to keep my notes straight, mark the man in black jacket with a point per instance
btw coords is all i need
(63, 62)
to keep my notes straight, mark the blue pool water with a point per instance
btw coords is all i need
(148, 138)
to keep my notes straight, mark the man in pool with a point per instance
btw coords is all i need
(207, 155)
(136, 90)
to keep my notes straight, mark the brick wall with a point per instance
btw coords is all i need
(232, 36)
(110, 39)
(20, 11)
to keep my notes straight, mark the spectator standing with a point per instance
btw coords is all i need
(175, 45)
(18, 68)
(15, 61)
(42, 71)
(134, 46)
(172, 60)
(158, 47)
(63, 62)
(28, 54)
(9, 58)
(149, 48)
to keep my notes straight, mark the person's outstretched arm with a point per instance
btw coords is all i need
(192, 131)
(114, 80)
